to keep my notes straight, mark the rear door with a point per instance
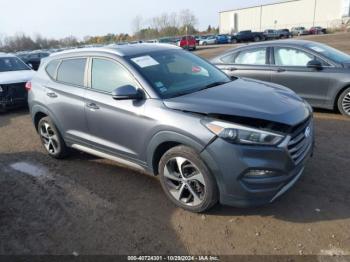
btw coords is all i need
(65, 96)
(290, 70)
(251, 63)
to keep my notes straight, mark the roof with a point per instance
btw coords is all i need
(6, 55)
(254, 6)
(297, 42)
(122, 50)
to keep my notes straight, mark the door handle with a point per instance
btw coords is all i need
(92, 106)
(51, 95)
(229, 68)
(280, 70)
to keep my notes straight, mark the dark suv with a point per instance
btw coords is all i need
(166, 111)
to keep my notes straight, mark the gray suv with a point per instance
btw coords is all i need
(158, 108)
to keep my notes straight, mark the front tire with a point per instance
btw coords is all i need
(344, 102)
(52, 139)
(186, 180)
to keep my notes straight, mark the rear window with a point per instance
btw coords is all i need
(51, 68)
(12, 64)
(71, 71)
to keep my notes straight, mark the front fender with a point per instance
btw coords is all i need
(166, 137)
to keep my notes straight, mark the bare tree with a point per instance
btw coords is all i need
(187, 20)
(137, 25)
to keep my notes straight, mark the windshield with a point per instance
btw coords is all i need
(12, 64)
(329, 52)
(173, 73)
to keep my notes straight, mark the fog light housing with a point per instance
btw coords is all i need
(257, 173)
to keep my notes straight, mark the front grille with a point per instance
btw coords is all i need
(300, 143)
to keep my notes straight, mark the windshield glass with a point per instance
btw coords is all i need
(173, 73)
(12, 64)
(329, 52)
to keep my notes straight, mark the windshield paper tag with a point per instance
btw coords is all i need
(144, 61)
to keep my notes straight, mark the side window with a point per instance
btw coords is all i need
(251, 57)
(107, 75)
(51, 68)
(291, 57)
(229, 59)
(72, 71)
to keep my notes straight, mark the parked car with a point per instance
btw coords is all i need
(33, 59)
(271, 34)
(284, 33)
(188, 42)
(152, 41)
(298, 31)
(170, 113)
(14, 74)
(210, 40)
(317, 30)
(168, 40)
(223, 39)
(318, 73)
(248, 35)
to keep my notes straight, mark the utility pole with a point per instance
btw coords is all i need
(261, 8)
(315, 6)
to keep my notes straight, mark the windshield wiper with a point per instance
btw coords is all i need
(218, 83)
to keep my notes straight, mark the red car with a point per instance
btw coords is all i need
(317, 30)
(188, 42)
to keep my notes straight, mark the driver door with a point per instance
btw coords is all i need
(115, 126)
(291, 71)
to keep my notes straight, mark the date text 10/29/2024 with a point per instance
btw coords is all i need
(173, 258)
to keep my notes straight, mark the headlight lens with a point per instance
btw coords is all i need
(241, 134)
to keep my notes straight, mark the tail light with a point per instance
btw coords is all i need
(28, 86)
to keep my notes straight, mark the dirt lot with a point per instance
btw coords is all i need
(93, 206)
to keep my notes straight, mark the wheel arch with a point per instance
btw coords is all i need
(338, 94)
(162, 142)
(38, 112)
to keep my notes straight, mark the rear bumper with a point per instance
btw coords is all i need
(8, 103)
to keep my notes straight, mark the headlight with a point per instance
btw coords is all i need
(241, 134)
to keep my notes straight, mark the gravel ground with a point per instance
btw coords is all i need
(87, 205)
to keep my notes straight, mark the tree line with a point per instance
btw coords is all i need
(164, 25)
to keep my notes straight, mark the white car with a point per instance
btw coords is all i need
(14, 74)
(211, 40)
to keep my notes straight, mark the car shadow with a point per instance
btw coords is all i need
(7, 116)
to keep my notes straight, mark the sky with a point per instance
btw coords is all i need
(60, 18)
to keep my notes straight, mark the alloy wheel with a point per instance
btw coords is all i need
(49, 138)
(346, 103)
(184, 181)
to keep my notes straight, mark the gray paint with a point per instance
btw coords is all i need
(320, 88)
(133, 129)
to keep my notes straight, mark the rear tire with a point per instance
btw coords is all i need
(52, 139)
(344, 102)
(256, 39)
(193, 188)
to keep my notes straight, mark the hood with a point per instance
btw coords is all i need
(13, 77)
(245, 98)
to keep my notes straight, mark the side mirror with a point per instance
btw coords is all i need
(127, 92)
(315, 64)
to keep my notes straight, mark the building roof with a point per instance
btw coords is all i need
(254, 6)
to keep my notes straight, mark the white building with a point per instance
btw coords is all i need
(286, 14)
